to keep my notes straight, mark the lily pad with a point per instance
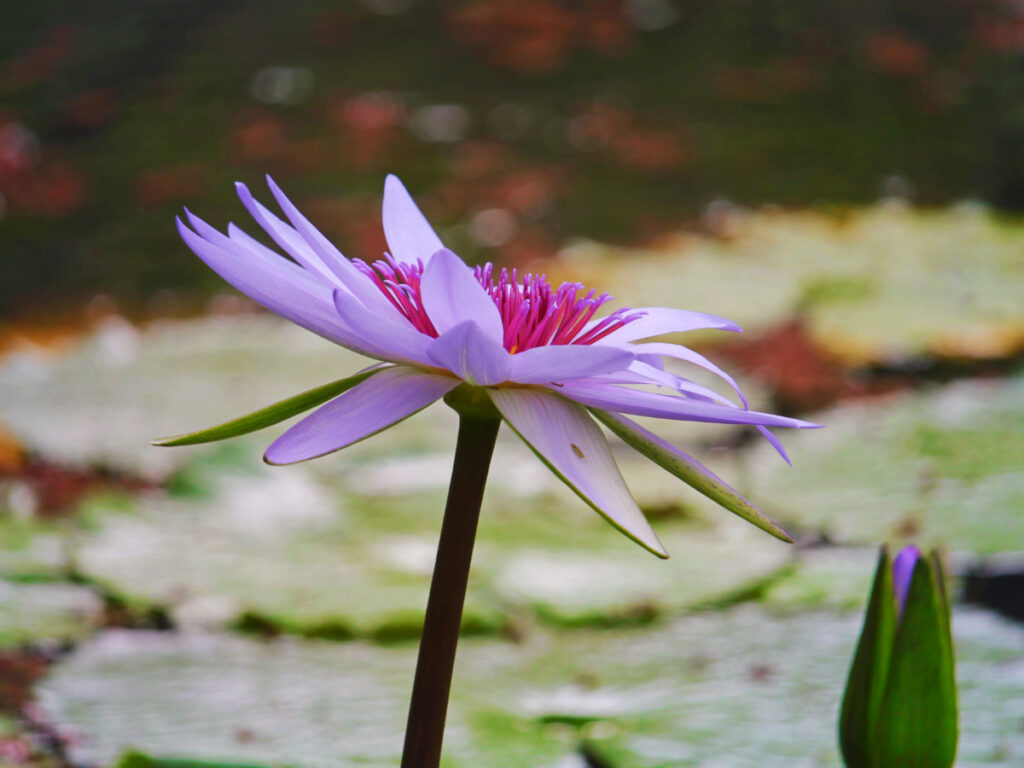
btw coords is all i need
(32, 549)
(827, 577)
(217, 697)
(738, 687)
(102, 403)
(876, 285)
(289, 549)
(34, 612)
(606, 581)
(943, 467)
(746, 687)
(268, 550)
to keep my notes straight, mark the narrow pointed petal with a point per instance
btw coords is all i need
(679, 352)
(902, 571)
(387, 339)
(270, 415)
(469, 354)
(451, 295)
(689, 470)
(285, 236)
(661, 320)
(775, 443)
(410, 237)
(249, 248)
(566, 439)
(620, 399)
(567, 361)
(343, 270)
(282, 288)
(653, 375)
(387, 398)
(241, 239)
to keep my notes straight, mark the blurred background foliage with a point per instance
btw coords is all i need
(519, 123)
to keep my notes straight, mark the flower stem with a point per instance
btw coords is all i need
(429, 704)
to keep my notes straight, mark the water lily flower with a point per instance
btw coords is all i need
(498, 347)
(540, 355)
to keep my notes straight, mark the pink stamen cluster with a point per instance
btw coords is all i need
(400, 283)
(532, 312)
(535, 315)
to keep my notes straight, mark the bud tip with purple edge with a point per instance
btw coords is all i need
(902, 573)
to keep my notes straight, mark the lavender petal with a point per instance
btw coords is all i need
(285, 236)
(902, 573)
(407, 231)
(622, 400)
(567, 361)
(565, 438)
(680, 352)
(472, 356)
(388, 397)
(660, 320)
(451, 295)
(388, 340)
(689, 470)
(344, 271)
(283, 288)
(774, 442)
(652, 375)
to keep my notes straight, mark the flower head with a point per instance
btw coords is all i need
(541, 356)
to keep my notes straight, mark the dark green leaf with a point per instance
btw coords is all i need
(865, 685)
(691, 472)
(939, 572)
(270, 415)
(917, 724)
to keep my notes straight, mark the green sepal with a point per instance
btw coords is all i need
(917, 722)
(691, 472)
(865, 685)
(939, 571)
(270, 415)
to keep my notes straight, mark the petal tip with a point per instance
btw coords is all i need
(275, 189)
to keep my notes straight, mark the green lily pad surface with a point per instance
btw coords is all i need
(944, 467)
(288, 702)
(103, 403)
(33, 612)
(833, 577)
(744, 690)
(297, 549)
(876, 285)
(737, 687)
(32, 549)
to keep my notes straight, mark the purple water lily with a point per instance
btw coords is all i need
(540, 354)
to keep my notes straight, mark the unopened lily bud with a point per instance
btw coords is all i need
(899, 708)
